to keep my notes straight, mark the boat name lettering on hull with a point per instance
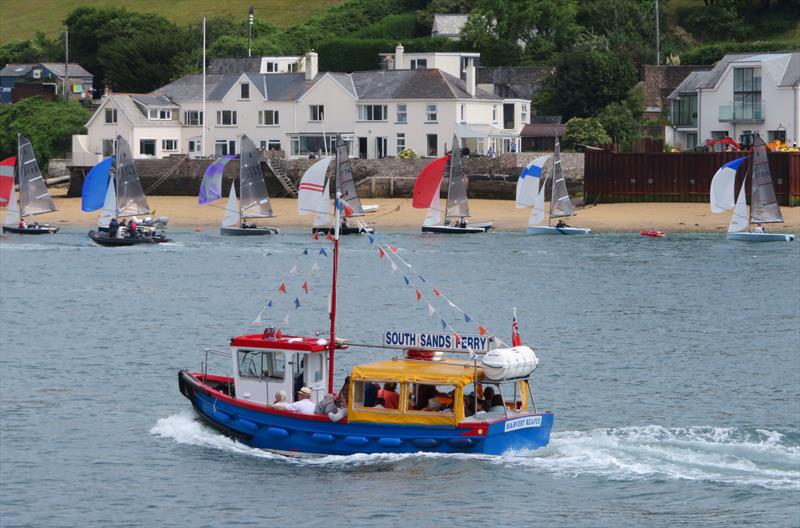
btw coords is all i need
(523, 423)
(440, 341)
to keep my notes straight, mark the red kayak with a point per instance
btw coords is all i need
(654, 234)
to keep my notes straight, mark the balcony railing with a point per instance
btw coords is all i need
(752, 113)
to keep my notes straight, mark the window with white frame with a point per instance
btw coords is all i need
(272, 67)
(226, 117)
(494, 113)
(268, 118)
(402, 113)
(274, 144)
(419, 64)
(225, 147)
(111, 116)
(401, 142)
(169, 145)
(147, 147)
(193, 118)
(159, 114)
(194, 145)
(524, 115)
(372, 112)
(431, 113)
(463, 113)
(244, 91)
(316, 112)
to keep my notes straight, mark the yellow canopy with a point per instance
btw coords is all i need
(444, 372)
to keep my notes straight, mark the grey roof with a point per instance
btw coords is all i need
(448, 24)
(190, 87)
(784, 65)
(543, 130)
(235, 65)
(20, 70)
(134, 113)
(153, 101)
(412, 84)
(693, 81)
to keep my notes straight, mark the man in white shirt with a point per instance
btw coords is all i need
(303, 405)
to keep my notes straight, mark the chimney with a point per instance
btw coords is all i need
(470, 77)
(398, 57)
(312, 65)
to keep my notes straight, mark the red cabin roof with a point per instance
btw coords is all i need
(267, 339)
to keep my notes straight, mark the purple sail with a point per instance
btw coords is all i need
(211, 186)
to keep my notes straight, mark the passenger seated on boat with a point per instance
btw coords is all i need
(462, 222)
(326, 405)
(561, 223)
(22, 224)
(380, 403)
(371, 394)
(303, 404)
(133, 228)
(760, 229)
(341, 400)
(496, 404)
(469, 404)
(36, 225)
(280, 402)
(113, 227)
(488, 392)
(390, 395)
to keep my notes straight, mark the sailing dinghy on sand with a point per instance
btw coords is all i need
(120, 195)
(764, 208)
(560, 204)
(255, 201)
(426, 196)
(33, 196)
(314, 194)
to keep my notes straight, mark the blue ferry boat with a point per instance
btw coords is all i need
(426, 398)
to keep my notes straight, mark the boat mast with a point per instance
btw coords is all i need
(332, 344)
(241, 198)
(556, 157)
(116, 183)
(19, 177)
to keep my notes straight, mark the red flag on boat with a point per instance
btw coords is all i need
(419, 295)
(481, 330)
(7, 179)
(516, 340)
(437, 292)
(428, 182)
(392, 249)
(381, 252)
(282, 288)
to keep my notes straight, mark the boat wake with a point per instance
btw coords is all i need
(720, 455)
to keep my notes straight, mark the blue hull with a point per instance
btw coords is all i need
(289, 433)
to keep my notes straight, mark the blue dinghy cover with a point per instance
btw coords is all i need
(93, 193)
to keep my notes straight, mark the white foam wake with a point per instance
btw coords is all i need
(712, 454)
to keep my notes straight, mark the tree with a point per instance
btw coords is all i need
(628, 25)
(49, 125)
(535, 29)
(618, 122)
(584, 131)
(587, 81)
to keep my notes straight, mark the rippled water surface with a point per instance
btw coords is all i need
(671, 365)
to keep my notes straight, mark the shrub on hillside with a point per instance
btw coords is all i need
(584, 131)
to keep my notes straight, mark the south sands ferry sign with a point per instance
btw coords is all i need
(426, 340)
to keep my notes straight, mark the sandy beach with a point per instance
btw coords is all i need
(397, 213)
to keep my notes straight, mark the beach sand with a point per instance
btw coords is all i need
(397, 213)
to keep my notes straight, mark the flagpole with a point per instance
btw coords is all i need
(203, 123)
(336, 223)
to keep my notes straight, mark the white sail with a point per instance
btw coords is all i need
(109, 205)
(434, 216)
(323, 217)
(231, 217)
(313, 195)
(537, 215)
(739, 218)
(529, 182)
(723, 186)
(12, 210)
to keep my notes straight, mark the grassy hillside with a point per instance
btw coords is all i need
(21, 19)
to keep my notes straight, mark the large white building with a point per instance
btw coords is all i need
(379, 113)
(742, 94)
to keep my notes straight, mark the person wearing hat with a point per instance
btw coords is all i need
(303, 404)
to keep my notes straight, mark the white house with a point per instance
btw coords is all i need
(742, 94)
(378, 113)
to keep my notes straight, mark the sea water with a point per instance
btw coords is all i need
(671, 366)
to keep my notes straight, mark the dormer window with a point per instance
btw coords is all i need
(159, 114)
(419, 64)
(111, 116)
(245, 90)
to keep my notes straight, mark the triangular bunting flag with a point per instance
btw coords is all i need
(381, 252)
(421, 278)
(467, 318)
(258, 318)
(330, 236)
(296, 303)
(293, 271)
(451, 304)
(315, 266)
(431, 310)
(305, 251)
(286, 319)
(444, 324)
(282, 288)
(408, 282)
(437, 292)
(323, 252)
(305, 287)
(269, 303)
(316, 235)
(458, 339)
(481, 330)
(371, 239)
(394, 266)
(393, 249)
(419, 295)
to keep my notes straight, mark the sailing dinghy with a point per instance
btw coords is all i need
(764, 208)
(426, 196)
(33, 197)
(113, 185)
(560, 204)
(254, 199)
(314, 194)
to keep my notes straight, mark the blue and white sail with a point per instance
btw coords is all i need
(529, 181)
(739, 218)
(723, 186)
(211, 186)
(95, 185)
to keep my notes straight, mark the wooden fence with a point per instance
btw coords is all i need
(676, 177)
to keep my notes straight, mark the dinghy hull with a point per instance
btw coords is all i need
(43, 229)
(297, 434)
(105, 240)
(452, 230)
(745, 236)
(551, 230)
(348, 230)
(249, 231)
